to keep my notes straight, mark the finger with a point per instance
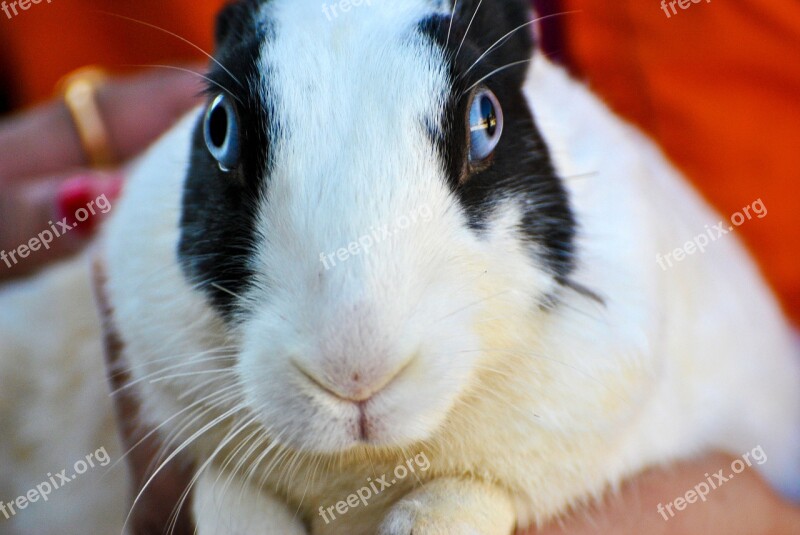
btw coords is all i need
(46, 219)
(741, 506)
(154, 509)
(135, 111)
(139, 111)
(39, 142)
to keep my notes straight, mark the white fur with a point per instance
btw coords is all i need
(522, 411)
(364, 185)
(54, 406)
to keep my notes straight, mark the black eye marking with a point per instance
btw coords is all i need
(228, 172)
(491, 155)
(222, 133)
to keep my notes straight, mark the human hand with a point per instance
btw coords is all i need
(44, 175)
(745, 505)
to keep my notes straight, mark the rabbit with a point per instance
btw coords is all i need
(399, 237)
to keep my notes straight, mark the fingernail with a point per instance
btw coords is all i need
(84, 200)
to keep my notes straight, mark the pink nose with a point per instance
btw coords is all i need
(353, 386)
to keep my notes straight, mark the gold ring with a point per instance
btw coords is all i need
(79, 90)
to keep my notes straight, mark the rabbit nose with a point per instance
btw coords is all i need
(353, 386)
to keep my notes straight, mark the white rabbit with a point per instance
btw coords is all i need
(398, 233)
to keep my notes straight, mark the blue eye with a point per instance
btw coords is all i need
(485, 125)
(221, 130)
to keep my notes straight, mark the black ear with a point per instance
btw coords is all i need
(233, 18)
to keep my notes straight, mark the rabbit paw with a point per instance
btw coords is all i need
(451, 506)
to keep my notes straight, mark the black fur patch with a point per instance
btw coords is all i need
(218, 221)
(521, 167)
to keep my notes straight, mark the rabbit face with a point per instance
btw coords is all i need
(368, 205)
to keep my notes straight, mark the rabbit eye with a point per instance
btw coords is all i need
(221, 130)
(485, 125)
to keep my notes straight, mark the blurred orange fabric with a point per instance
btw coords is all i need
(40, 45)
(717, 84)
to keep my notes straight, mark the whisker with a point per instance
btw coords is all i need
(316, 459)
(262, 440)
(500, 42)
(467, 307)
(227, 291)
(150, 433)
(190, 71)
(196, 417)
(450, 28)
(173, 34)
(199, 386)
(199, 415)
(192, 374)
(275, 443)
(224, 353)
(468, 28)
(496, 71)
(199, 472)
(227, 414)
(187, 362)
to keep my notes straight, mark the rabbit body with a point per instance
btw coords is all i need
(528, 392)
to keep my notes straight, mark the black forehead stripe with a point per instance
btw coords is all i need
(521, 168)
(218, 220)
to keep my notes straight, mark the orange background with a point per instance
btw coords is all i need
(717, 84)
(45, 42)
